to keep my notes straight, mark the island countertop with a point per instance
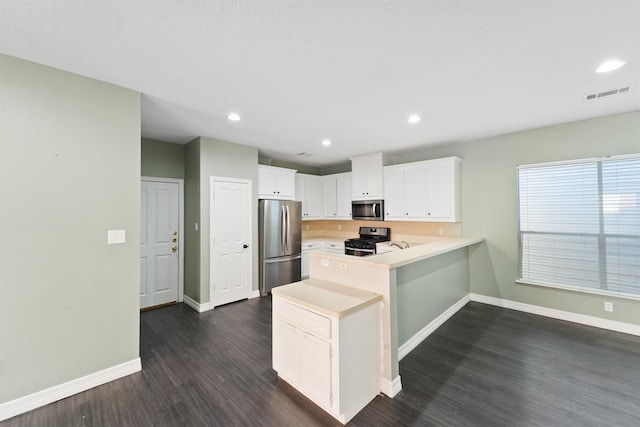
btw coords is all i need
(326, 297)
(395, 259)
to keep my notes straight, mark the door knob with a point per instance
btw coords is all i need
(174, 248)
(245, 246)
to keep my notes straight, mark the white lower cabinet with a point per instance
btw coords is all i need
(333, 247)
(333, 360)
(306, 248)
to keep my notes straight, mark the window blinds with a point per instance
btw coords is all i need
(579, 224)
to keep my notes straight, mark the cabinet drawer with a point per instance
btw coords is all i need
(309, 247)
(306, 320)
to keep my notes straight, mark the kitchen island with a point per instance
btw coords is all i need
(326, 344)
(421, 287)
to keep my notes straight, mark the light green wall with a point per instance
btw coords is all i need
(162, 159)
(223, 159)
(192, 216)
(489, 204)
(427, 288)
(70, 171)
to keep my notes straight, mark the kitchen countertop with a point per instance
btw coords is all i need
(326, 297)
(395, 259)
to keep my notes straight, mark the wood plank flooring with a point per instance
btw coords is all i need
(486, 366)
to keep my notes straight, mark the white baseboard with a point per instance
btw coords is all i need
(200, 308)
(61, 391)
(391, 388)
(254, 294)
(413, 342)
(598, 322)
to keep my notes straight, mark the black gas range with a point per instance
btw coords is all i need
(366, 244)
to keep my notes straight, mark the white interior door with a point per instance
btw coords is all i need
(231, 231)
(159, 243)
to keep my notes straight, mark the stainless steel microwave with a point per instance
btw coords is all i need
(369, 210)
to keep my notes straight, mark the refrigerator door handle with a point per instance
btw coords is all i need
(282, 229)
(288, 229)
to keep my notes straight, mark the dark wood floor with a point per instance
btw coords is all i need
(486, 366)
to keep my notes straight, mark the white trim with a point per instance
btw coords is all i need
(415, 340)
(254, 294)
(199, 307)
(249, 183)
(597, 322)
(580, 289)
(61, 391)
(180, 183)
(391, 388)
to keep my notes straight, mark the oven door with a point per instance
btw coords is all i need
(359, 252)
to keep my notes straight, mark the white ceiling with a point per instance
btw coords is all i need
(299, 71)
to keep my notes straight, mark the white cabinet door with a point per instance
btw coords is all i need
(415, 186)
(394, 201)
(439, 192)
(286, 184)
(308, 192)
(315, 369)
(336, 196)
(367, 177)
(329, 197)
(276, 183)
(286, 351)
(267, 181)
(343, 195)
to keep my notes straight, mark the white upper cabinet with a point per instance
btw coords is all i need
(423, 191)
(443, 189)
(276, 183)
(336, 196)
(367, 177)
(308, 191)
(405, 190)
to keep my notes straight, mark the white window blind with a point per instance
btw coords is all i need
(579, 224)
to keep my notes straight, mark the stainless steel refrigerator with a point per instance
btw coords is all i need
(280, 241)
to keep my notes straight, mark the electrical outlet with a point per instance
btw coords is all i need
(440, 231)
(339, 226)
(608, 306)
(324, 262)
(306, 226)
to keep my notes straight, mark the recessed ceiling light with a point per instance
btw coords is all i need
(326, 142)
(611, 65)
(414, 118)
(234, 117)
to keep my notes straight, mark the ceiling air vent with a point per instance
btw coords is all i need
(608, 93)
(304, 154)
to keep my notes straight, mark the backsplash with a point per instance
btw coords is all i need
(408, 231)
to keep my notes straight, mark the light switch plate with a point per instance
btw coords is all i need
(115, 237)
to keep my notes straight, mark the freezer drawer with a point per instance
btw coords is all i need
(279, 271)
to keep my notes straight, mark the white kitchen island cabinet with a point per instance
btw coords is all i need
(326, 344)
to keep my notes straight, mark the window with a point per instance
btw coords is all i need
(579, 225)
